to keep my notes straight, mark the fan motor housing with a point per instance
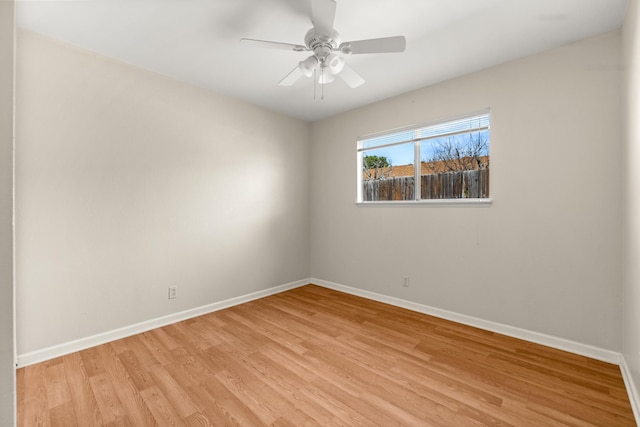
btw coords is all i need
(317, 42)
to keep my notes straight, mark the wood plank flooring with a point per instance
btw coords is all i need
(313, 356)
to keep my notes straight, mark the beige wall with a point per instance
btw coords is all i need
(128, 182)
(7, 358)
(631, 290)
(546, 256)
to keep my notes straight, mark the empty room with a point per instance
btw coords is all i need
(319, 212)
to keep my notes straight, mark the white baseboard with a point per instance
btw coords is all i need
(536, 337)
(49, 353)
(632, 390)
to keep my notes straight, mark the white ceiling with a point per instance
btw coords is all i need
(197, 41)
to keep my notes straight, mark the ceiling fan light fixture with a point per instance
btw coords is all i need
(308, 65)
(336, 63)
(325, 77)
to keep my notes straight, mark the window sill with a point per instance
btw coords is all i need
(432, 202)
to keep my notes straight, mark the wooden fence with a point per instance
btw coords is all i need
(449, 185)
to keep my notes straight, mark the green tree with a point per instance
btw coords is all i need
(376, 167)
(371, 162)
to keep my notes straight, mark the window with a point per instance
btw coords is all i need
(445, 160)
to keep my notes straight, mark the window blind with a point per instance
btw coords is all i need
(474, 123)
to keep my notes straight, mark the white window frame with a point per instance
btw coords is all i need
(430, 130)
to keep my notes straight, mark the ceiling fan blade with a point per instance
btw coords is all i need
(323, 14)
(350, 77)
(382, 45)
(292, 77)
(274, 45)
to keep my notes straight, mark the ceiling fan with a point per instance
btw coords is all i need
(324, 41)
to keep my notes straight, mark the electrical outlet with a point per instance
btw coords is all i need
(173, 292)
(405, 282)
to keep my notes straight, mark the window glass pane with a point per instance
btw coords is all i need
(388, 173)
(454, 167)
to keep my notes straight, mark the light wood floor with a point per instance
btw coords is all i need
(313, 356)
